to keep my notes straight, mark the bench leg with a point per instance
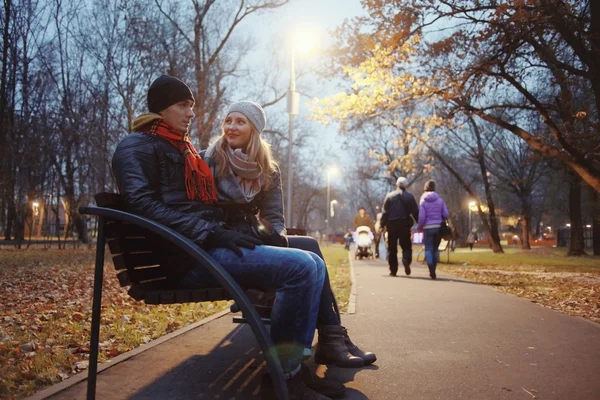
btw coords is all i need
(97, 302)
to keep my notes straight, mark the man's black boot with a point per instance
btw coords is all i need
(406, 267)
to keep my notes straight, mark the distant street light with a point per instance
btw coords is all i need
(331, 208)
(302, 41)
(333, 170)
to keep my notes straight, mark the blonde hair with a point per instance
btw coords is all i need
(258, 150)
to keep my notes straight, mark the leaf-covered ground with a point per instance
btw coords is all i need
(45, 315)
(544, 276)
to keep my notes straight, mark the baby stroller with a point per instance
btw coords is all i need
(364, 241)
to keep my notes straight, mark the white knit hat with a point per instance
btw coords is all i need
(402, 182)
(254, 112)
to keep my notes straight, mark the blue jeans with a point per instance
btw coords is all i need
(432, 239)
(296, 276)
(328, 308)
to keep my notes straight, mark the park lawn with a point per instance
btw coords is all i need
(544, 276)
(338, 267)
(45, 315)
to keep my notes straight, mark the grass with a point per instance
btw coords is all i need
(550, 259)
(45, 315)
(544, 276)
(339, 273)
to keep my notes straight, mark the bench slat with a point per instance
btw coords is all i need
(146, 274)
(123, 230)
(123, 278)
(134, 260)
(185, 296)
(128, 245)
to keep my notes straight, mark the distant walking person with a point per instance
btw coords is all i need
(363, 219)
(432, 212)
(471, 239)
(378, 232)
(399, 211)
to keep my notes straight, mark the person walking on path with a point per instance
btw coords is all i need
(471, 239)
(432, 212)
(363, 219)
(162, 177)
(249, 191)
(378, 233)
(399, 211)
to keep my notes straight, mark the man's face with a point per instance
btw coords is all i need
(361, 212)
(179, 115)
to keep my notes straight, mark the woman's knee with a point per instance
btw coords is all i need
(306, 243)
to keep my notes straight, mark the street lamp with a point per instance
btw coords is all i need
(302, 41)
(471, 205)
(331, 208)
(330, 172)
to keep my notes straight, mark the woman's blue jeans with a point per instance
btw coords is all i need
(296, 276)
(328, 308)
(432, 239)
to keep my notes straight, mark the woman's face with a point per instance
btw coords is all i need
(237, 130)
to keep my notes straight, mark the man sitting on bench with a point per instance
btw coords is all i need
(161, 176)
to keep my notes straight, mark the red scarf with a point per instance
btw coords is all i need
(199, 182)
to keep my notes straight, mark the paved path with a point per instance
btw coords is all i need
(454, 339)
(444, 339)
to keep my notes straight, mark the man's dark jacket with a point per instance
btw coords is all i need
(398, 206)
(150, 175)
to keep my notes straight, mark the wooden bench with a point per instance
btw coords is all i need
(143, 252)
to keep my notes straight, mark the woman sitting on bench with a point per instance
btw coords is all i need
(248, 182)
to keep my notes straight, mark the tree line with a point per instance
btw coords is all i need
(503, 96)
(74, 75)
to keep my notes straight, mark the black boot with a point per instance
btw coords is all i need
(331, 348)
(320, 385)
(367, 357)
(431, 271)
(406, 267)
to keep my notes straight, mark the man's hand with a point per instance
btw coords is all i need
(232, 240)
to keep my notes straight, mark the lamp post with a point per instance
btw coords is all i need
(330, 171)
(306, 43)
(471, 205)
(292, 109)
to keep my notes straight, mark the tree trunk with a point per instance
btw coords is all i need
(577, 245)
(596, 221)
(10, 219)
(525, 224)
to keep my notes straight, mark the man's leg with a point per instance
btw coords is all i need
(298, 282)
(393, 249)
(405, 243)
(377, 240)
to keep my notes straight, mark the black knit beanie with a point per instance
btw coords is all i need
(166, 91)
(430, 186)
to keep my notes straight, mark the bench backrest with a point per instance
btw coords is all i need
(140, 258)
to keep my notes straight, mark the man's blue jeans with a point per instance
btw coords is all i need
(432, 239)
(297, 277)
